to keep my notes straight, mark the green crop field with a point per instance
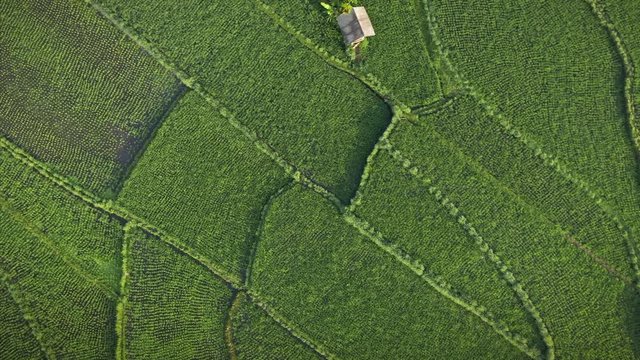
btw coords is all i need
(212, 179)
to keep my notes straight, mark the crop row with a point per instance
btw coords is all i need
(565, 95)
(257, 336)
(561, 279)
(321, 118)
(341, 290)
(74, 94)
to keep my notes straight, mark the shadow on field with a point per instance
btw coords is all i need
(368, 134)
(130, 155)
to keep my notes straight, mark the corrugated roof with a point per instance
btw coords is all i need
(355, 25)
(363, 19)
(350, 27)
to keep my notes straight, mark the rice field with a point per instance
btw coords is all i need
(231, 180)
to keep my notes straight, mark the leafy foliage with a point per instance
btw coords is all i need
(337, 7)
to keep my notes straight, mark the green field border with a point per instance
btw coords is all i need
(232, 310)
(29, 318)
(629, 69)
(484, 247)
(123, 301)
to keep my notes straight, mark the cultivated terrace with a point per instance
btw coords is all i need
(214, 179)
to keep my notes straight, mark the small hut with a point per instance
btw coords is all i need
(355, 26)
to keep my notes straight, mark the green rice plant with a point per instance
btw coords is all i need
(217, 180)
(399, 53)
(620, 20)
(17, 340)
(75, 93)
(353, 299)
(92, 236)
(561, 279)
(402, 207)
(70, 313)
(173, 308)
(321, 119)
(532, 178)
(551, 71)
(257, 336)
(203, 181)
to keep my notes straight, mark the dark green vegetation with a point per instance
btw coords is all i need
(398, 55)
(74, 94)
(197, 157)
(171, 308)
(215, 180)
(309, 112)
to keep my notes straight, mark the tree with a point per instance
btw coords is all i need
(337, 7)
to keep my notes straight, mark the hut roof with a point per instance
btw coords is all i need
(355, 25)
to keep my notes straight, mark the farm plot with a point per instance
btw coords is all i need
(75, 93)
(91, 236)
(256, 336)
(398, 55)
(71, 314)
(202, 181)
(351, 297)
(172, 307)
(401, 207)
(552, 71)
(315, 116)
(532, 178)
(585, 307)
